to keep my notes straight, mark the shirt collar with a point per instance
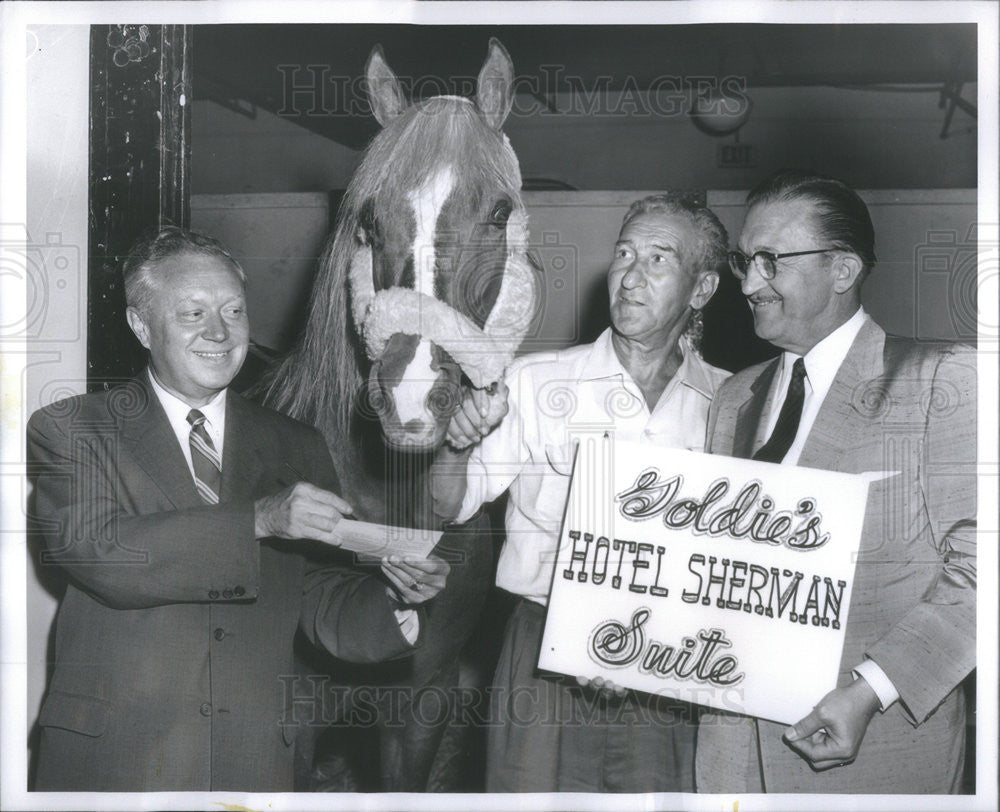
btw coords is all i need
(825, 358)
(177, 410)
(602, 362)
(694, 371)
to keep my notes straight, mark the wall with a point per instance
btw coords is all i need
(871, 140)
(57, 159)
(274, 155)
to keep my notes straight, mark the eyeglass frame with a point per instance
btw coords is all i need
(769, 257)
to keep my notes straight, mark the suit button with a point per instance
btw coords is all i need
(239, 591)
(227, 593)
(213, 594)
(220, 633)
(205, 709)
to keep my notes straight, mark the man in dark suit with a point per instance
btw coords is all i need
(176, 508)
(844, 396)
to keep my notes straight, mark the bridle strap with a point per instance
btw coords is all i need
(483, 354)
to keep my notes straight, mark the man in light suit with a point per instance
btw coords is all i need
(844, 396)
(178, 510)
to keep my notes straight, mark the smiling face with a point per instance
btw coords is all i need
(195, 327)
(806, 300)
(654, 278)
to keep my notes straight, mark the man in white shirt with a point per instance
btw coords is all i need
(843, 396)
(176, 508)
(642, 380)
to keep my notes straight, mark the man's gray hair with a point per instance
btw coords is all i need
(714, 241)
(139, 266)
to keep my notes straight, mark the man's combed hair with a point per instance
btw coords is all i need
(714, 239)
(713, 243)
(843, 218)
(170, 241)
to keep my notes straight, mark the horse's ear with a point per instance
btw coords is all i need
(384, 90)
(495, 90)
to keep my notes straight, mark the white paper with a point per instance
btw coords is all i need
(374, 541)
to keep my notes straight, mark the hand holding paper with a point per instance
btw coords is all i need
(300, 511)
(416, 580)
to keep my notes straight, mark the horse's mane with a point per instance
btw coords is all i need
(320, 381)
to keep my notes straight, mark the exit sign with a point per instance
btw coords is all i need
(735, 156)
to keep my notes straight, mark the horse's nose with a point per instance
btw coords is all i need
(417, 390)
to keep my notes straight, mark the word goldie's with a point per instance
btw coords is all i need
(650, 496)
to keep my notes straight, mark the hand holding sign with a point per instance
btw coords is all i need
(830, 736)
(605, 688)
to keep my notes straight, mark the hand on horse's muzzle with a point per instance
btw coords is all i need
(481, 411)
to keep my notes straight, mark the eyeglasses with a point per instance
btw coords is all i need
(740, 263)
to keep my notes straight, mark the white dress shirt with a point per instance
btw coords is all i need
(177, 411)
(822, 363)
(556, 398)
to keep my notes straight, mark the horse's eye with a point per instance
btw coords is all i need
(500, 214)
(368, 222)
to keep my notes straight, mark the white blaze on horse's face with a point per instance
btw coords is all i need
(410, 393)
(427, 202)
(436, 221)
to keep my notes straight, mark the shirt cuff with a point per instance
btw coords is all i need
(469, 508)
(878, 681)
(409, 624)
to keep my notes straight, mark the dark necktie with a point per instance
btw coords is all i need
(205, 459)
(787, 427)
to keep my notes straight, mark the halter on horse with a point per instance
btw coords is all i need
(427, 269)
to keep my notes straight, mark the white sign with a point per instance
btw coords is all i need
(715, 580)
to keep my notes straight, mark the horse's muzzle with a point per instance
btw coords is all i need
(415, 388)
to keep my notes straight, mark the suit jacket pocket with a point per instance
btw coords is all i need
(81, 714)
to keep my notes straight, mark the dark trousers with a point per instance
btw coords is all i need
(550, 735)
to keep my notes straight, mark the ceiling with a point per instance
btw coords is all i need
(247, 66)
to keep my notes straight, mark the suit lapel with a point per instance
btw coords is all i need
(242, 459)
(748, 419)
(146, 434)
(846, 410)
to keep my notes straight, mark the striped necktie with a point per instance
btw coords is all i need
(205, 459)
(787, 426)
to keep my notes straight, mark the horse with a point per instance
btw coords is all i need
(424, 290)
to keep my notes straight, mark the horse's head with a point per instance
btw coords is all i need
(441, 292)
